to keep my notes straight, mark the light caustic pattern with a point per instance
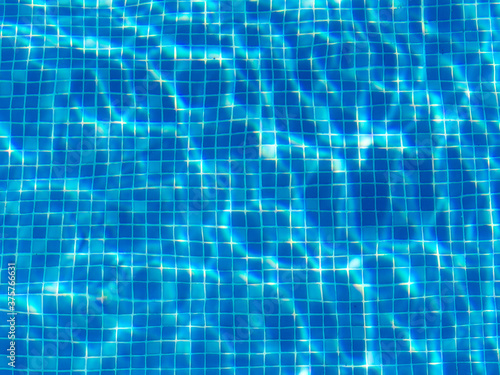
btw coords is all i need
(251, 187)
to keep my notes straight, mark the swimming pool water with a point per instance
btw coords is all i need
(250, 187)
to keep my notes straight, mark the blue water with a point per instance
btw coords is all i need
(250, 187)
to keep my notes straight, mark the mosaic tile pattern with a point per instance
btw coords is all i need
(250, 187)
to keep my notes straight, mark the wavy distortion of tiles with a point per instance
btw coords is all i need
(251, 187)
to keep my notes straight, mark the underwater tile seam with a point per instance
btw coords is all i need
(249, 187)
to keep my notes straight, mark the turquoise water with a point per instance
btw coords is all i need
(250, 187)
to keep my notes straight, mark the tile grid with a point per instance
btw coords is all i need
(354, 177)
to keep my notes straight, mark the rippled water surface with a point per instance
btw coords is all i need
(250, 187)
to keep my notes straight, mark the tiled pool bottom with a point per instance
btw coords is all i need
(250, 187)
